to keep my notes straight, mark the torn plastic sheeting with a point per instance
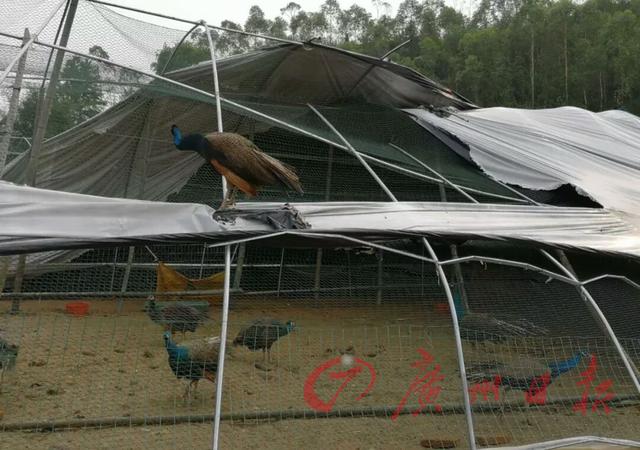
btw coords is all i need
(66, 220)
(598, 153)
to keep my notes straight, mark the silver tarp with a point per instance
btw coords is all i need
(598, 153)
(49, 220)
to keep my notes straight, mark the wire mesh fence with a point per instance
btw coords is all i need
(360, 346)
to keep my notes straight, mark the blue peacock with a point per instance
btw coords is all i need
(522, 373)
(480, 327)
(193, 360)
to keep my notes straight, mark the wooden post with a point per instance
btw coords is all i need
(125, 279)
(242, 250)
(380, 257)
(457, 270)
(17, 283)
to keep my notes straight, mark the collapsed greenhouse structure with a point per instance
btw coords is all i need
(457, 276)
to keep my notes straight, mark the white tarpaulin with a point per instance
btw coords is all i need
(49, 220)
(598, 153)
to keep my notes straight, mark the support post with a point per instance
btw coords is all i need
(242, 250)
(441, 275)
(227, 264)
(457, 269)
(5, 262)
(380, 258)
(280, 274)
(42, 119)
(17, 283)
(125, 279)
(327, 194)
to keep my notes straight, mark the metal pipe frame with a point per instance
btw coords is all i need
(394, 49)
(586, 295)
(175, 49)
(437, 174)
(227, 264)
(12, 112)
(633, 371)
(574, 441)
(441, 275)
(109, 295)
(33, 39)
(258, 114)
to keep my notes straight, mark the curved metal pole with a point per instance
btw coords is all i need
(175, 49)
(633, 371)
(355, 153)
(394, 49)
(437, 174)
(441, 275)
(615, 277)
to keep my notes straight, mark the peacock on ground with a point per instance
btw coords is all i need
(193, 360)
(8, 356)
(261, 334)
(176, 317)
(520, 373)
(480, 327)
(240, 161)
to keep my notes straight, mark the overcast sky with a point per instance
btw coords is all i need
(215, 11)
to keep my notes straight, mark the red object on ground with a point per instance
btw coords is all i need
(77, 308)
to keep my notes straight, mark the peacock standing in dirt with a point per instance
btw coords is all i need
(8, 356)
(178, 317)
(240, 161)
(522, 373)
(261, 334)
(480, 327)
(193, 360)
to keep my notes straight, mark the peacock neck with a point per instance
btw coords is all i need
(564, 366)
(154, 311)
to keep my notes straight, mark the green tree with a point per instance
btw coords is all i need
(192, 51)
(79, 96)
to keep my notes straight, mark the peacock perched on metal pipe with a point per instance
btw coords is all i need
(240, 161)
(522, 373)
(193, 360)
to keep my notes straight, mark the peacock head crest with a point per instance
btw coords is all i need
(291, 326)
(167, 338)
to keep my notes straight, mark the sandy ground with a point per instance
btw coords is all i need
(109, 365)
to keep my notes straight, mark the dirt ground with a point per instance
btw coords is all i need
(109, 365)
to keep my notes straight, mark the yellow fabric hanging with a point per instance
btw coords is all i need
(170, 280)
